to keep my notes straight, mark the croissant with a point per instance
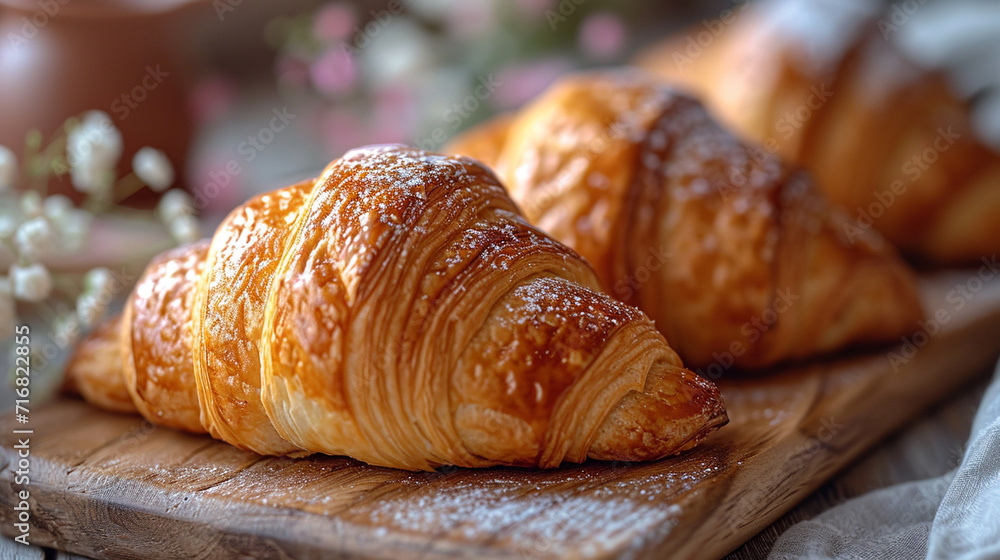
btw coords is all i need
(819, 84)
(398, 310)
(738, 260)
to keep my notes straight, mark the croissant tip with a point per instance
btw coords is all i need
(719, 419)
(676, 410)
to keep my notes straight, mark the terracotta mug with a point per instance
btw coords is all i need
(59, 58)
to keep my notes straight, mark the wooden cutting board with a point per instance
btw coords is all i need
(111, 486)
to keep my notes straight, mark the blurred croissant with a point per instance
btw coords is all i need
(736, 258)
(818, 83)
(400, 311)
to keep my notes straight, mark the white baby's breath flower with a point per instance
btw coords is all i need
(66, 329)
(8, 169)
(56, 206)
(91, 178)
(90, 307)
(185, 229)
(399, 56)
(174, 204)
(93, 148)
(34, 238)
(8, 313)
(73, 228)
(8, 225)
(31, 282)
(31, 204)
(99, 281)
(153, 167)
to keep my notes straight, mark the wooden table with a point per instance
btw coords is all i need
(931, 447)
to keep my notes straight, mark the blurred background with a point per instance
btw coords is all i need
(202, 80)
(130, 126)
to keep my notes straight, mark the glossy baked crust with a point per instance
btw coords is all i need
(884, 138)
(399, 310)
(156, 338)
(229, 318)
(732, 253)
(97, 374)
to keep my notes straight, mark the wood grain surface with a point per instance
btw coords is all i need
(925, 449)
(110, 486)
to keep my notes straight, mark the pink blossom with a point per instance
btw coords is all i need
(334, 22)
(334, 71)
(602, 36)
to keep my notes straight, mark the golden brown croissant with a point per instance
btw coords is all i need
(737, 260)
(400, 311)
(822, 87)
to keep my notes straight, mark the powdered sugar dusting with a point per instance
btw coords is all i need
(547, 300)
(599, 515)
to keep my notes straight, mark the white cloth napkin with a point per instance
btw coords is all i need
(954, 516)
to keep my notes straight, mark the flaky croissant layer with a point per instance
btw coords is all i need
(821, 84)
(731, 252)
(398, 310)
